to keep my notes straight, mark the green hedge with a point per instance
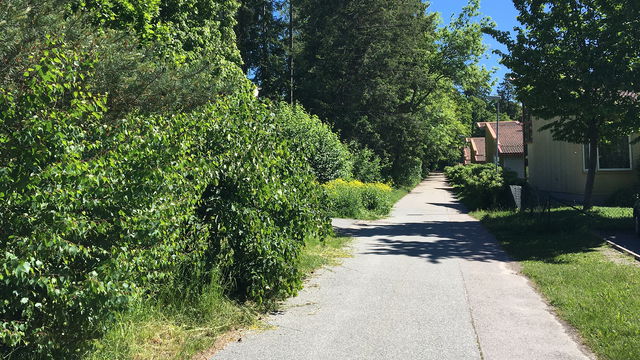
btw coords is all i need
(408, 172)
(480, 185)
(367, 166)
(97, 211)
(329, 158)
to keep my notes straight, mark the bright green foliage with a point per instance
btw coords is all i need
(370, 67)
(187, 29)
(577, 64)
(355, 199)
(262, 203)
(138, 15)
(446, 128)
(149, 76)
(99, 210)
(97, 213)
(328, 157)
(367, 165)
(479, 184)
(93, 212)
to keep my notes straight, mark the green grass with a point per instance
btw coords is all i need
(317, 254)
(176, 328)
(594, 289)
(398, 194)
(181, 328)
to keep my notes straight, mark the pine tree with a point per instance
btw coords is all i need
(262, 31)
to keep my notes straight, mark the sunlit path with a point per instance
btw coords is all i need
(427, 283)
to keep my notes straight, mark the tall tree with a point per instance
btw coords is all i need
(370, 67)
(509, 105)
(577, 63)
(261, 31)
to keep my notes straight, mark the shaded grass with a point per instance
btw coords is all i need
(180, 327)
(565, 259)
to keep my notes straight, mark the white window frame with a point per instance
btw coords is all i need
(584, 160)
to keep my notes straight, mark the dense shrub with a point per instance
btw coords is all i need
(93, 212)
(328, 157)
(367, 165)
(480, 185)
(408, 172)
(355, 199)
(261, 204)
(97, 211)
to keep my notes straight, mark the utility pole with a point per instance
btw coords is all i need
(497, 155)
(497, 135)
(291, 52)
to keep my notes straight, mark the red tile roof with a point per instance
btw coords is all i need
(510, 140)
(477, 144)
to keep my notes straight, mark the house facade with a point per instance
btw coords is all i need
(506, 141)
(467, 155)
(477, 150)
(559, 167)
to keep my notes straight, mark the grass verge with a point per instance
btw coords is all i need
(317, 254)
(573, 269)
(182, 328)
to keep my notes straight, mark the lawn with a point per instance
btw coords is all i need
(593, 288)
(160, 330)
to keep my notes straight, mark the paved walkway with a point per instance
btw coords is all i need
(427, 283)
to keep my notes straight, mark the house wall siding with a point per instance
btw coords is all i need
(515, 164)
(558, 166)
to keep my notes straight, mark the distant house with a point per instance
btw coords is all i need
(467, 154)
(477, 151)
(559, 167)
(510, 145)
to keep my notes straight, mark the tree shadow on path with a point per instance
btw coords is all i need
(433, 241)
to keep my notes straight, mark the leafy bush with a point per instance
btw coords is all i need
(328, 157)
(408, 172)
(355, 199)
(479, 184)
(262, 203)
(98, 206)
(94, 213)
(97, 212)
(367, 166)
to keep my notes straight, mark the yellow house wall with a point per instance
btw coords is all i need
(558, 166)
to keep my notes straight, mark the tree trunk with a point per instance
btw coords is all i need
(591, 172)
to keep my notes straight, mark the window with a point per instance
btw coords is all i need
(615, 155)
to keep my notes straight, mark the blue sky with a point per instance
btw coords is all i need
(501, 12)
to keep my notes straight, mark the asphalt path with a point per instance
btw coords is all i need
(429, 282)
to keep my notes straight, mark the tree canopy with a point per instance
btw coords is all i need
(370, 68)
(261, 32)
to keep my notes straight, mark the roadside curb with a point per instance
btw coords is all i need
(623, 249)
